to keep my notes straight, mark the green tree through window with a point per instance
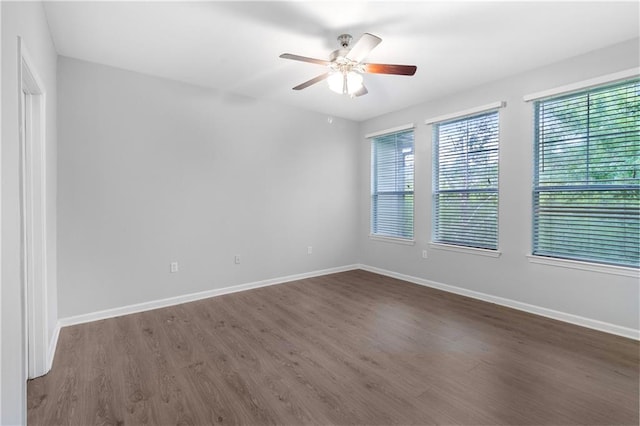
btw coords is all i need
(465, 196)
(587, 176)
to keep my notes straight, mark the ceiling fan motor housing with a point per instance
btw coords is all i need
(339, 56)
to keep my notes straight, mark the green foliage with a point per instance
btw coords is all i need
(588, 176)
(466, 181)
(591, 139)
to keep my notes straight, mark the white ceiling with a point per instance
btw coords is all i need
(234, 46)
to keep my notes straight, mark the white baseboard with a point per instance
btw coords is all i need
(171, 301)
(53, 343)
(538, 310)
(155, 304)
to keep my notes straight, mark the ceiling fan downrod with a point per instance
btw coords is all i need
(344, 40)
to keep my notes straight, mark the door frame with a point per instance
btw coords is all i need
(1, 285)
(32, 130)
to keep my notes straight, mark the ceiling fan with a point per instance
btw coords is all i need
(346, 67)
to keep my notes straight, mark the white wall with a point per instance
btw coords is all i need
(153, 171)
(28, 21)
(601, 297)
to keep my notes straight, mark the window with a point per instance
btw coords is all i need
(587, 176)
(392, 185)
(465, 181)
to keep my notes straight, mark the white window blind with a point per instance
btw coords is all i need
(465, 194)
(586, 191)
(392, 185)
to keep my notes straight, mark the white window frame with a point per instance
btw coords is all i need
(566, 90)
(381, 237)
(467, 113)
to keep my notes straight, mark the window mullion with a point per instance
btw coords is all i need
(588, 165)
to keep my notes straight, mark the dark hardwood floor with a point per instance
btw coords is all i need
(349, 348)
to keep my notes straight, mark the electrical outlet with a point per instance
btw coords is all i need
(173, 267)
(309, 250)
(424, 254)
(236, 259)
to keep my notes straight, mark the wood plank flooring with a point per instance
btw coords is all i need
(343, 349)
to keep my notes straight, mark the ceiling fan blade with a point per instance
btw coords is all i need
(304, 59)
(361, 49)
(390, 69)
(312, 81)
(363, 91)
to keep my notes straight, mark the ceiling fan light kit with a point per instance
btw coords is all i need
(347, 83)
(346, 66)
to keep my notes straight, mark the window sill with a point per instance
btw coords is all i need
(467, 250)
(584, 266)
(395, 240)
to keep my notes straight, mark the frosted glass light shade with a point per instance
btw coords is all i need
(336, 82)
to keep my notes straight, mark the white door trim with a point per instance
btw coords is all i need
(1, 285)
(32, 101)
